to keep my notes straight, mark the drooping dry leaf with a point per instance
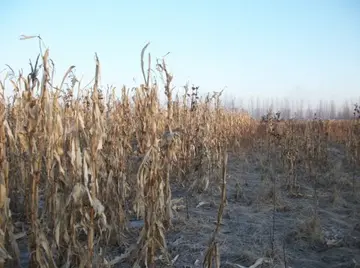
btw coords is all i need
(57, 234)
(77, 193)
(98, 207)
(3, 195)
(24, 141)
(8, 131)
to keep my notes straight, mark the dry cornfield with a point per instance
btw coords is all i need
(95, 181)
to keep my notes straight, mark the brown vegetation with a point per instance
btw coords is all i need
(78, 173)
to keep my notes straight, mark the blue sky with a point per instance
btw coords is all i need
(305, 49)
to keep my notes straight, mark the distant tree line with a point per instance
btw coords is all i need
(298, 109)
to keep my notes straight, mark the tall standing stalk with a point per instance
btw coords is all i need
(35, 128)
(167, 190)
(96, 136)
(4, 179)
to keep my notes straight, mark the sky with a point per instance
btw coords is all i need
(308, 50)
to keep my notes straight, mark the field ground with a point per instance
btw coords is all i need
(245, 235)
(334, 241)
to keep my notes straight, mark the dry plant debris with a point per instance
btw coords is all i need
(95, 181)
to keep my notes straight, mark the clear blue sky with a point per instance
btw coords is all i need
(307, 49)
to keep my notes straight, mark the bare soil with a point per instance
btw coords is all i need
(299, 240)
